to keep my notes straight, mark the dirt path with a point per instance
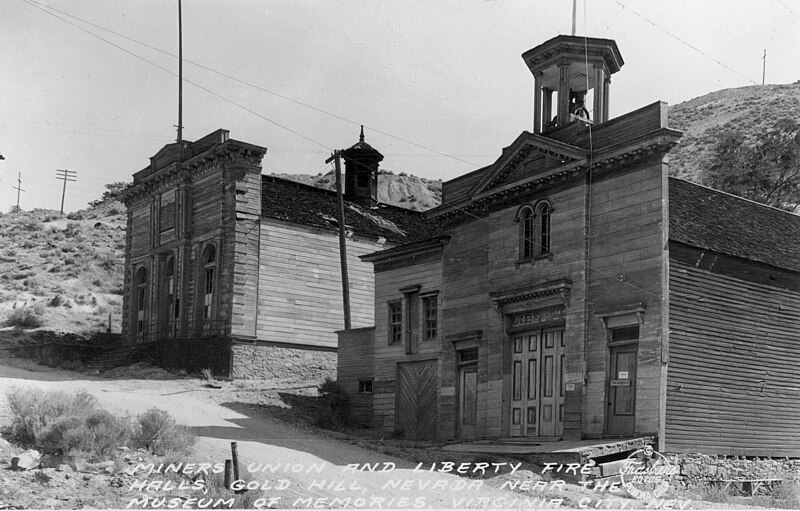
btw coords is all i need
(312, 468)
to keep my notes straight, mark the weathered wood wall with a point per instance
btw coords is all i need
(506, 273)
(627, 266)
(388, 285)
(733, 380)
(300, 285)
(355, 355)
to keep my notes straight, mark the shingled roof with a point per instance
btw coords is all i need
(714, 220)
(303, 204)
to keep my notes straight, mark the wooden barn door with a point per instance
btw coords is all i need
(415, 412)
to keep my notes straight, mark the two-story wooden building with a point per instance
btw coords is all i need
(238, 272)
(578, 292)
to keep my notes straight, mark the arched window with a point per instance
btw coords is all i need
(534, 230)
(171, 306)
(527, 234)
(209, 271)
(542, 228)
(141, 299)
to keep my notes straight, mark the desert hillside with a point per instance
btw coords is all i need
(401, 189)
(744, 110)
(62, 273)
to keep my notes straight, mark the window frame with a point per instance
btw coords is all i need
(366, 385)
(430, 322)
(535, 230)
(395, 321)
(140, 305)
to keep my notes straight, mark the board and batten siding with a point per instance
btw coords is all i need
(733, 384)
(300, 284)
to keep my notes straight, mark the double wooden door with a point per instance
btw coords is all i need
(537, 383)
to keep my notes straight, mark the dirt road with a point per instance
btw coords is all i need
(298, 468)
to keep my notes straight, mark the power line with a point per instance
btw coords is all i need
(65, 175)
(690, 45)
(18, 188)
(33, 4)
(45, 8)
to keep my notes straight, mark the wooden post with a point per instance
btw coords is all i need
(228, 474)
(235, 461)
(342, 238)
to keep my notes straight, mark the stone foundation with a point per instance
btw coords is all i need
(270, 361)
(698, 469)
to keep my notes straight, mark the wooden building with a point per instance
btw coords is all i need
(578, 292)
(238, 272)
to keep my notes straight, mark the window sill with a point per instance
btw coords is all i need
(532, 260)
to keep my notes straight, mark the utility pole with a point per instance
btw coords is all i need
(764, 68)
(65, 175)
(335, 157)
(574, 14)
(18, 188)
(180, 79)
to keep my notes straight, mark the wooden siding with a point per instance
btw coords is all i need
(354, 364)
(733, 381)
(245, 239)
(140, 218)
(506, 273)
(388, 285)
(299, 284)
(627, 267)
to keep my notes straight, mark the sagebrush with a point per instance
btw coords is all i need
(57, 422)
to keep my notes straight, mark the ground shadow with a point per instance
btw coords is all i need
(289, 431)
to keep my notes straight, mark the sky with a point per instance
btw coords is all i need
(91, 86)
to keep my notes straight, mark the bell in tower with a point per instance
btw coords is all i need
(566, 69)
(361, 173)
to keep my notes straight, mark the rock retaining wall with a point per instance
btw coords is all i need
(701, 468)
(261, 361)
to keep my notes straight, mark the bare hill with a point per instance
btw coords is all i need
(62, 273)
(744, 110)
(403, 190)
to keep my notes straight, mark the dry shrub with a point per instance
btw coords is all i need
(58, 422)
(158, 432)
(26, 317)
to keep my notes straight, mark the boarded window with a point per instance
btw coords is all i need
(167, 211)
(209, 273)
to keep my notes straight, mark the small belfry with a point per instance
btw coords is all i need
(361, 172)
(565, 70)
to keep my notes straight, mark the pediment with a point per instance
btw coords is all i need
(528, 156)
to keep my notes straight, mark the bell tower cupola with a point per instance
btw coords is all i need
(568, 71)
(361, 173)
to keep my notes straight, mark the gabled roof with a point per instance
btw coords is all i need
(307, 205)
(706, 218)
(525, 143)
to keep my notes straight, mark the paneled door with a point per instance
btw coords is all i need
(622, 391)
(537, 385)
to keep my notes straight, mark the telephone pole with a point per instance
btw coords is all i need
(335, 157)
(764, 68)
(65, 175)
(18, 188)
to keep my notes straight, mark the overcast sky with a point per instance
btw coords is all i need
(439, 85)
